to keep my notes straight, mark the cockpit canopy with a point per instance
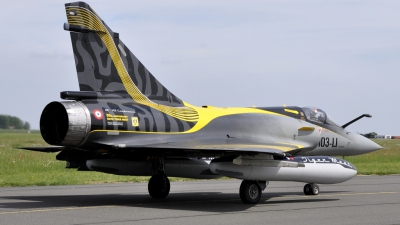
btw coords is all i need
(317, 115)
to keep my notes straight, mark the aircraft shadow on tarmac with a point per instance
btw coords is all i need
(193, 201)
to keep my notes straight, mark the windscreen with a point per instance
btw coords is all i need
(317, 115)
(314, 114)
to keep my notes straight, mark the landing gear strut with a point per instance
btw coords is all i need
(250, 191)
(311, 189)
(159, 185)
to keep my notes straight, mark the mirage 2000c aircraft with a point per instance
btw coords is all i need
(123, 121)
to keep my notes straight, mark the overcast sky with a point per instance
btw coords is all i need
(341, 56)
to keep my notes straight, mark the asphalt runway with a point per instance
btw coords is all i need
(362, 200)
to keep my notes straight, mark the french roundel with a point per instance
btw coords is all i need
(98, 114)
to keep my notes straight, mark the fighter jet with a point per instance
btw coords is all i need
(124, 121)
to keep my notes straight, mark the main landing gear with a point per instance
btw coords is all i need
(250, 191)
(311, 189)
(159, 185)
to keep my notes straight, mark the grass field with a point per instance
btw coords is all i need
(27, 168)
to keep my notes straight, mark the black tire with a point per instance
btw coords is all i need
(307, 189)
(250, 192)
(159, 186)
(314, 188)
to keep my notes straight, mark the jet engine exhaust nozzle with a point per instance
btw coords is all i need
(65, 123)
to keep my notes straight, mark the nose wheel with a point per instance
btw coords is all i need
(311, 189)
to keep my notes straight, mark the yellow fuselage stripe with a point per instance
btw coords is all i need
(206, 115)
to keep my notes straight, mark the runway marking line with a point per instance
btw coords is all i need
(363, 193)
(224, 200)
(330, 195)
(57, 209)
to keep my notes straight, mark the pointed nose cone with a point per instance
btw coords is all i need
(362, 145)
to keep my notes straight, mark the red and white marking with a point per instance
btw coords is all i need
(98, 114)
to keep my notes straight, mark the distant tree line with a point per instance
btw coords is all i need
(370, 135)
(13, 122)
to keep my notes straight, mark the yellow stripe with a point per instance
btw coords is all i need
(307, 128)
(237, 146)
(57, 209)
(291, 111)
(206, 116)
(285, 143)
(91, 21)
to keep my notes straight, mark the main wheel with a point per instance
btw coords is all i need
(314, 189)
(250, 192)
(159, 186)
(311, 189)
(307, 189)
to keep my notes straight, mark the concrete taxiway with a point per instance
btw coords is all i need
(362, 200)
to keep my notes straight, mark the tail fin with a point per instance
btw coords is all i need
(104, 63)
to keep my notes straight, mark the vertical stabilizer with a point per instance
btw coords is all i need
(104, 63)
